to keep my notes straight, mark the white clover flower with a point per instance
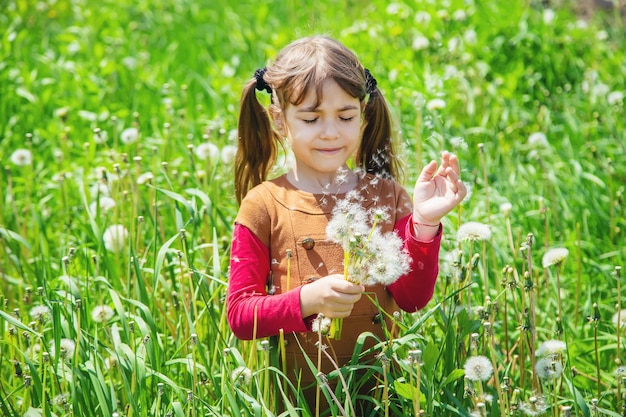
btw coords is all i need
(39, 313)
(470, 37)
(551, 347)
(615, 98)
(459, 15)
(145, 178)
(538, 139)
(420, 42)
(207, 150)
(115, 238)
(506, 208)
(105, 203)
(478, 368)
(129, 135)
(321, 324)
(553, 257)
(21, 157)
(228, 153)
(547, 368)
(241, 375)
(473, 231)
(102, 313)
(436, 104)
(602, 35)
(619, 319)
(66, 349)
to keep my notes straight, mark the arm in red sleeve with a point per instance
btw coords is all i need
(247, 294)
(415, 289)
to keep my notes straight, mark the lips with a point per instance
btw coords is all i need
(329, 151)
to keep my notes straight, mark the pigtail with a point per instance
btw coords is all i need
(258, 143)
(376, 153)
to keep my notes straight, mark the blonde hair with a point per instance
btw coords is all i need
(303, 66)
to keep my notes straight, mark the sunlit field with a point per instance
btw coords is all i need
(117, 138)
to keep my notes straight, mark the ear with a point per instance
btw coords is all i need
(279, 120)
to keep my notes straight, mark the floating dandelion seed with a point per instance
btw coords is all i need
(22, 157)
(102, 313)
(478, 368)
(66, 349)
(551, 347)
(115, 238)
(207, 150)
(39, 313)
(321, 324)
(554, 257)
(547, 368)
(473, 231)
(241, 375)
(129, 135)
(619, 319)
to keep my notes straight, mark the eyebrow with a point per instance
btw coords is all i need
(312, 109)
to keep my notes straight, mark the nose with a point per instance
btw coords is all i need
(330, 130)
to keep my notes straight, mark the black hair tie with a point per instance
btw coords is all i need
(261, 85)
(370, 82)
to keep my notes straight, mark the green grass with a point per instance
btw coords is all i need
(174, 70)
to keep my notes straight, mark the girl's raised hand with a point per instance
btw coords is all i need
(332, 296)
(438, 190)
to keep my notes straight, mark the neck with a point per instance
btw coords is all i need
(339, 182)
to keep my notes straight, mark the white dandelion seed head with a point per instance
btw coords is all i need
(241, 375)
(506, 208)
(228, 154)
(478, 368)
(420, 42)
(321, 324)
(145, 178)
(115, 237)
(538, 139)
(554, 256)
(473, 231)
(66, 349)
(601, 89)
(207, 150)
(551, 347)
(458, 142)
(548, 16)
(547, 368)
(436, 104)
(129, 135)
(535, 406)
(39, 313)
(619, 319)
(615, 98)
(21, 157)
(99, 189)
(102, 313)
(100, 137)
(105, 203)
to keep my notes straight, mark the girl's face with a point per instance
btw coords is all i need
(322, 137)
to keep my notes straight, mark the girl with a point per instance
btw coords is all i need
(284, 271)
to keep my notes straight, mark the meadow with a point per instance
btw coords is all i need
(117, 135)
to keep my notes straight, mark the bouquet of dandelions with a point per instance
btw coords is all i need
(370, 256)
